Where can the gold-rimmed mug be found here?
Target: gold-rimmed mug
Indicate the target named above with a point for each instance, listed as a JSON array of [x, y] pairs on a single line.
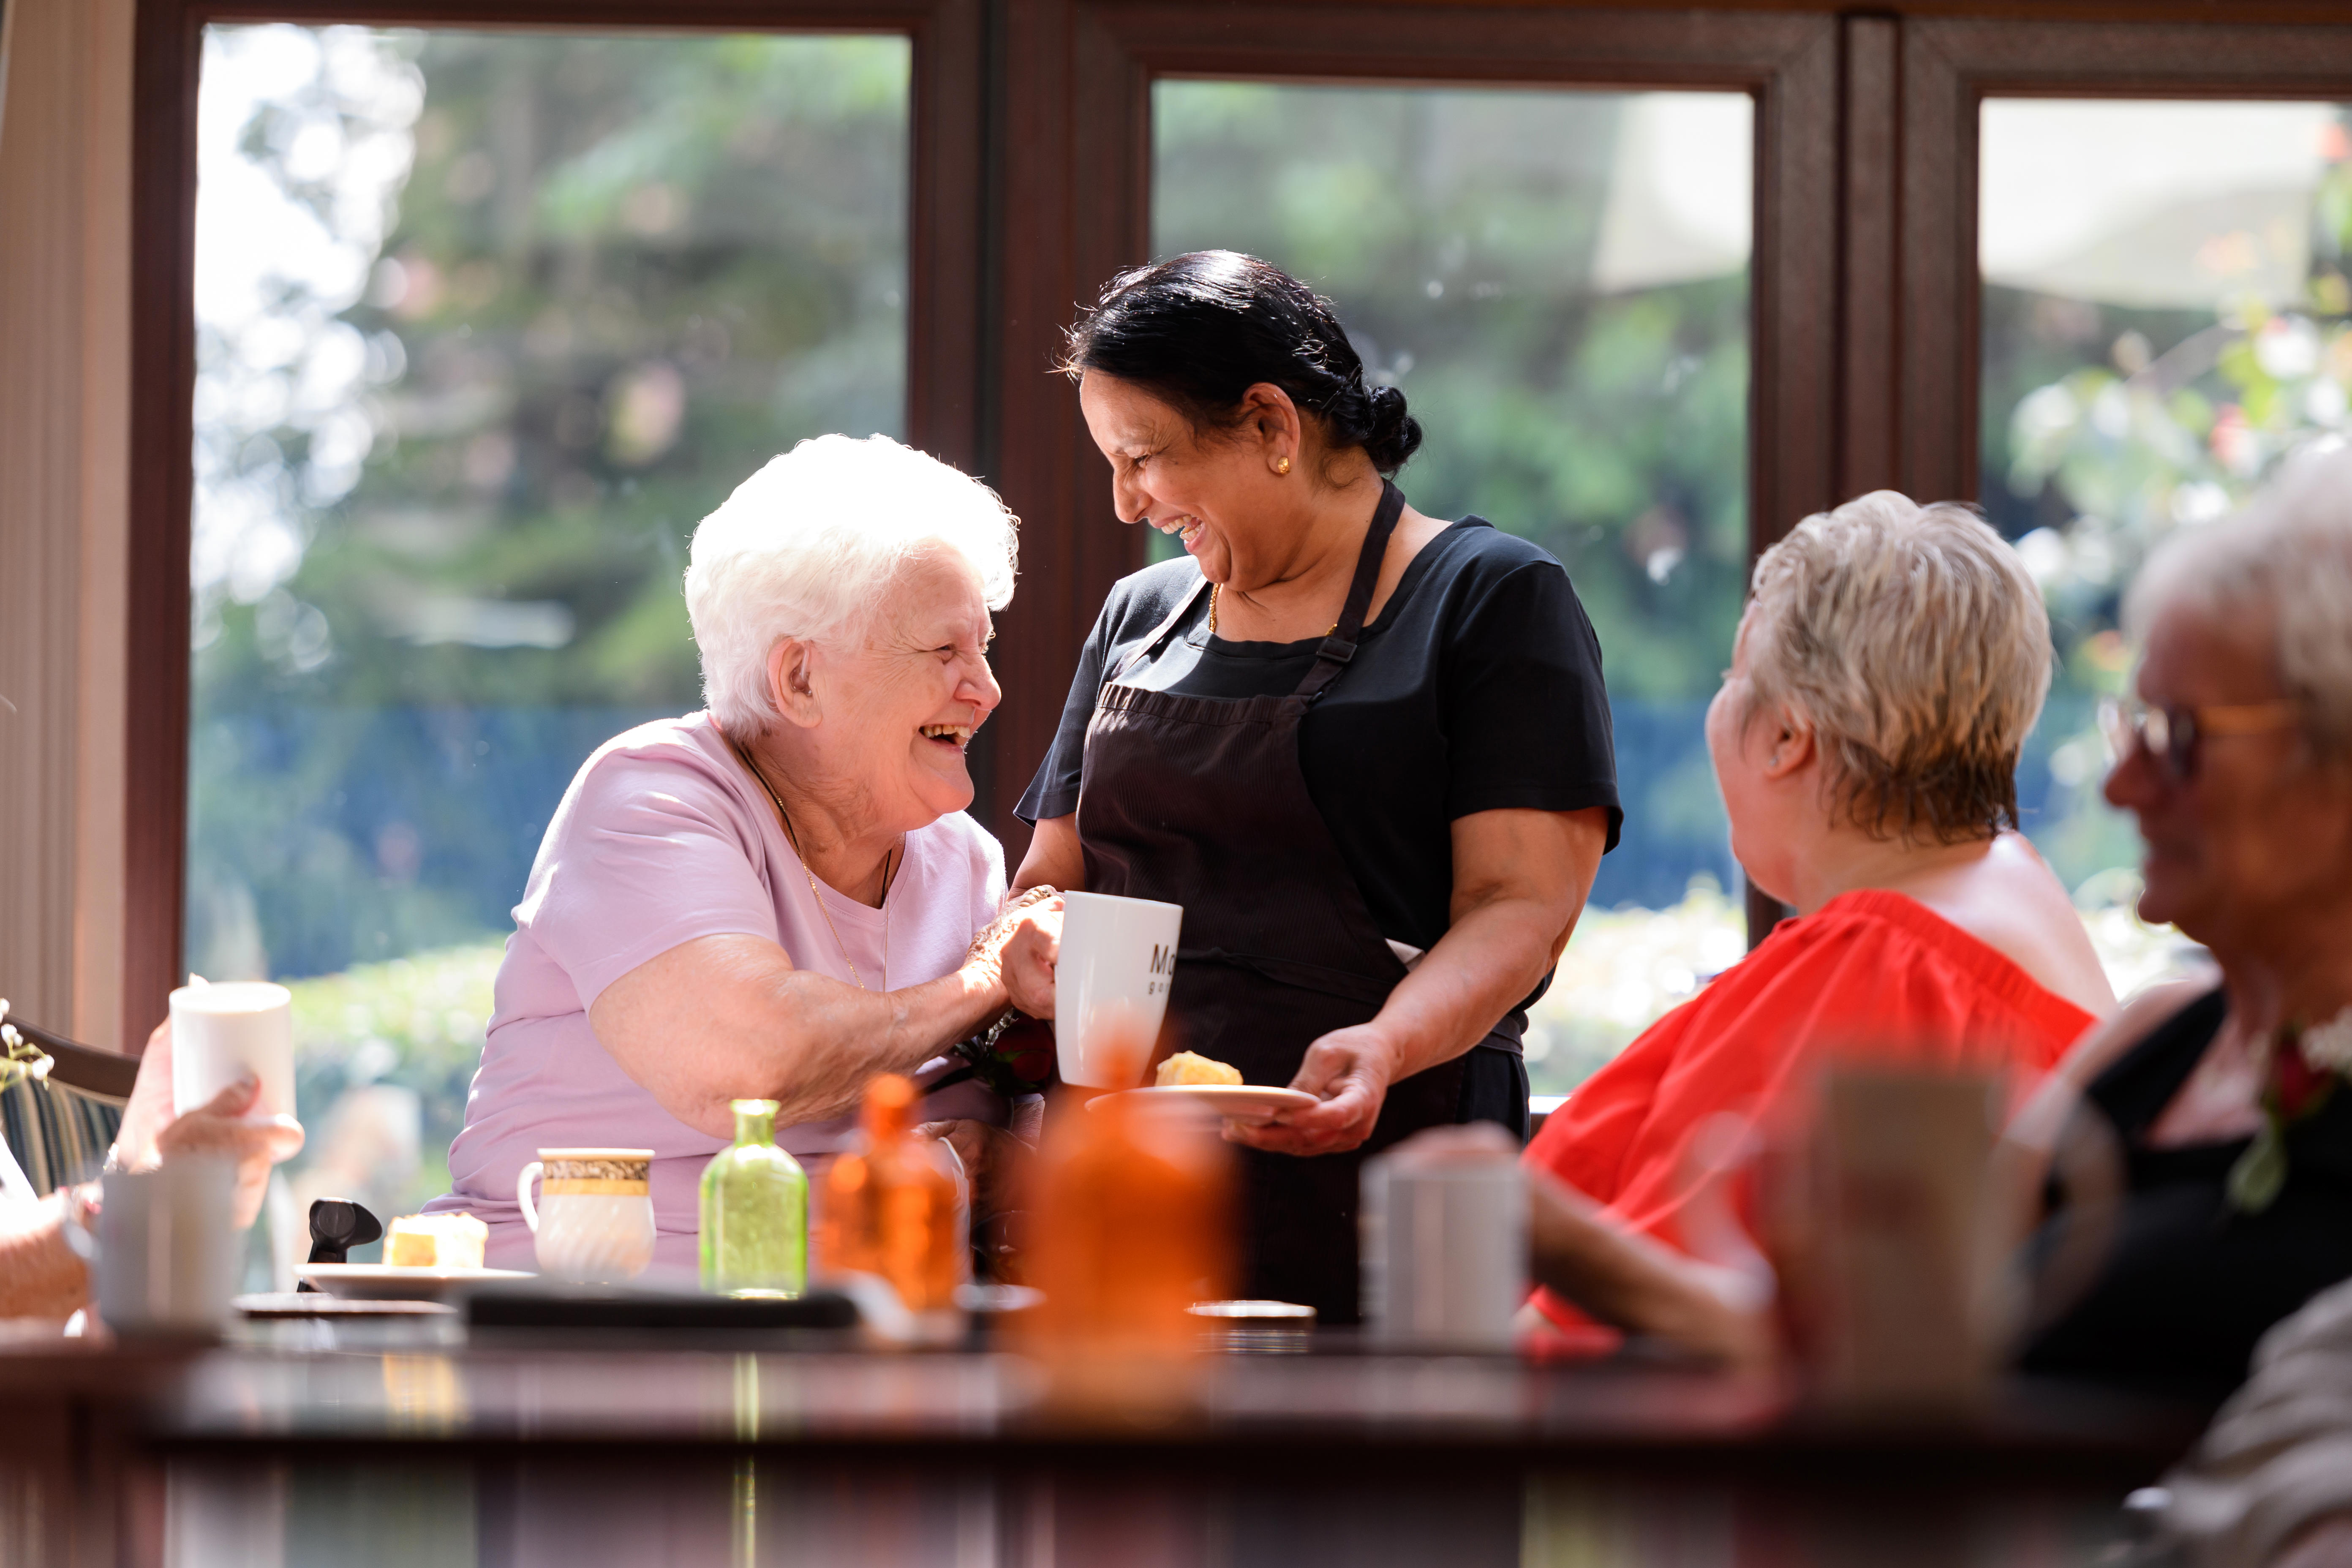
[[594, 1216]]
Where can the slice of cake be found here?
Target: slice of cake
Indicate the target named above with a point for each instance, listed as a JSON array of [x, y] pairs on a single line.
[[1186, 1067], [436, 1241]]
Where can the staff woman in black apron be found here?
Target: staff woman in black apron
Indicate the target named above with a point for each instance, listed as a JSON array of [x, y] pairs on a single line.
[[1368, 751]]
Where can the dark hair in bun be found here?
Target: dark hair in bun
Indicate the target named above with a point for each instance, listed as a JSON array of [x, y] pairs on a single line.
[[1200, 329]]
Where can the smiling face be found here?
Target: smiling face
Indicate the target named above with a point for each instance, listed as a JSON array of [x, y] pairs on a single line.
[[1215, 492], [2258, 835], [892, 717]]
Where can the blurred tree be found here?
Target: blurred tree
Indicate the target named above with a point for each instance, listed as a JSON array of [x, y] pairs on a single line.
[[2106, 429], [597, 282]]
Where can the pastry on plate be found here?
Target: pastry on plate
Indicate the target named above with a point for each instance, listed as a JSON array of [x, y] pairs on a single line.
[[436, 1241], [1186, 1067]]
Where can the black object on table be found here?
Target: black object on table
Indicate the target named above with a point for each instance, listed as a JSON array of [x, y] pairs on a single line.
[[545, 1304], [338, 1224]]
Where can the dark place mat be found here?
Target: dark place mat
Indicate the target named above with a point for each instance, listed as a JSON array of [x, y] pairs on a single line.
[[317, 1304], [549, 1306]]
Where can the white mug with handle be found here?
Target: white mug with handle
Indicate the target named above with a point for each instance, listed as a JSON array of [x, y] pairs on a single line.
[[1110, 985], [594, 1216]]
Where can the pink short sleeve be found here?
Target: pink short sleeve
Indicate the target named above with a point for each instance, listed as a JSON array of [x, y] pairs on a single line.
[[651, 848]]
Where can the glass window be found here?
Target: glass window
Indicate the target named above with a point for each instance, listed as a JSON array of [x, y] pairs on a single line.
[[487, 322], [1559, 281], [2166, 314]]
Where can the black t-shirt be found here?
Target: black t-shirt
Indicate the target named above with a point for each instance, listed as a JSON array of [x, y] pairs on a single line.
[[2190, 1284], [1477, 689]]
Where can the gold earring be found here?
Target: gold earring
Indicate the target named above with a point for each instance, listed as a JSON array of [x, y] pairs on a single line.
[[1283, 466]]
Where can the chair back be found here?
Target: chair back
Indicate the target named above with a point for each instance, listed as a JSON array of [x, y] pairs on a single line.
[[60, 1127]]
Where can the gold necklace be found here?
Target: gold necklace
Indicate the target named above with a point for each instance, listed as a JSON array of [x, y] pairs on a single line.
[[1214, 588], [795, 839]]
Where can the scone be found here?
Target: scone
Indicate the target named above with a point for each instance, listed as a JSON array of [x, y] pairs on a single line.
[[436, 1241], [1185, 1067]]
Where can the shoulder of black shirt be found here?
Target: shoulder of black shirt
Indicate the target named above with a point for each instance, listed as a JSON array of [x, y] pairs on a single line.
[[1140, 600]]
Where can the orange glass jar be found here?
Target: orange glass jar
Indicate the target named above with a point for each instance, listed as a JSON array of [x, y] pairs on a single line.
[[1131, 1221], [896, 1208]]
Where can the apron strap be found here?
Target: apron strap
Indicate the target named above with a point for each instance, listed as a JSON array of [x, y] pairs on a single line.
[[1340, 647], [1337, 647], [1151, 643]]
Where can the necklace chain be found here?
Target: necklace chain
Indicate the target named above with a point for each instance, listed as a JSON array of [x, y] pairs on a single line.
[[793, 839], [1216, 588]]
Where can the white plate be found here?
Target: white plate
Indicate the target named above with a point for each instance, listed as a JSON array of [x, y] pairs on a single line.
[[386, 1282], [1248, 1102]]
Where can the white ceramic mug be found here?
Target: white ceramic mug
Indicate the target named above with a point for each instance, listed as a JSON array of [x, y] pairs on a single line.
[[1444, 1250], [1110, 985], [168, 1248], [594, 1216], [218, 1031]]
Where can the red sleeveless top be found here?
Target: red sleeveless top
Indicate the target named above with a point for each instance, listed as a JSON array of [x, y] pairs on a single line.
[[1873, 973]]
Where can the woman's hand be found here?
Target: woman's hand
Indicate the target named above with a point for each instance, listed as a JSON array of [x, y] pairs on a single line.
[[223, 1127], [149, 1110], [1350, 1070], [1021, 948]]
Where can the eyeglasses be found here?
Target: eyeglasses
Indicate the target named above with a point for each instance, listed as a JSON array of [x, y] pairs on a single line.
[[2170, 734]]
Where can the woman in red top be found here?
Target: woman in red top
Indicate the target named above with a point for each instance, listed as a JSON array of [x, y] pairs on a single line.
[[1891, 660]]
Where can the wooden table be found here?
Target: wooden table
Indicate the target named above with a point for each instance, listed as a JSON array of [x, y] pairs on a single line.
[[355, 1444]]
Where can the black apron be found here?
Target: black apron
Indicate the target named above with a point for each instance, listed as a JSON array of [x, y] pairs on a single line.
[[1200, 801]]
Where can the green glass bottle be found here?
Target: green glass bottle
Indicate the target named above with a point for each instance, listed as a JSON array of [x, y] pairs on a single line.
[[754, 1211]]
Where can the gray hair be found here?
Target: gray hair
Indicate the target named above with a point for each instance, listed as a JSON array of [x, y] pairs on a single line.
[[2285, 559], [1915, 642], [808, 548]]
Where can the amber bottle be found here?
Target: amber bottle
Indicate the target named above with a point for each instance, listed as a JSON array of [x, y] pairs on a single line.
[[896, 1208], [1131, 1215]]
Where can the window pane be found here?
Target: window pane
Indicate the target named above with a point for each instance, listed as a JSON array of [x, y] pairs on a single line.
[[1559, 281], [2164, 316], [487, 322]]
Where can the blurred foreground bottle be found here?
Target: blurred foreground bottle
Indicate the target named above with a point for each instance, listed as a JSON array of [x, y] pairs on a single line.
[[755, 1203], [897, 1208], [1131, 1221]]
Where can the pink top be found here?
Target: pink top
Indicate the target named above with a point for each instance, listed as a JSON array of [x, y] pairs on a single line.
[[664, 838]]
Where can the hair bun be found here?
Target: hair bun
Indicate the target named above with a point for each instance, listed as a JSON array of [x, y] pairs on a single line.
[[1395, 435]]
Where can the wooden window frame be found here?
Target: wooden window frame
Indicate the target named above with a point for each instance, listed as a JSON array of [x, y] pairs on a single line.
[[1029, 186], [1949, 66], [945, 300]]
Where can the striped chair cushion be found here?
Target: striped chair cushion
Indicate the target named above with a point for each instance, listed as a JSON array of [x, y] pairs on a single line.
[[59, 1134]]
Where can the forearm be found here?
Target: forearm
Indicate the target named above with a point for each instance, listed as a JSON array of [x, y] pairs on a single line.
[[1055, 859], [725, 1018], [832, 1038], [1629, 1281], [40, 1275], [1488, 963]]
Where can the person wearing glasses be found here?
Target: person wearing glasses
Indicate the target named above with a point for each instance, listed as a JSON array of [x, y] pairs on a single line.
[[1891, 660], [2224, 1095]]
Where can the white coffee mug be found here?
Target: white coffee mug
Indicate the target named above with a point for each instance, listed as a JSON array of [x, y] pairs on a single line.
[[594, 1216], [219, 1031], [1110, 985], [168, 1248], [1444, 1250]]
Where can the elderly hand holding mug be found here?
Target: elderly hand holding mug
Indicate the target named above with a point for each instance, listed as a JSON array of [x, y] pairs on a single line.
[[780, 897]]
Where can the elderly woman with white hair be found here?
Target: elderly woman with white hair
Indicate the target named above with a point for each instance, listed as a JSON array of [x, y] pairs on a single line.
[[2225, 1094], [780, 897], [1891, 662]]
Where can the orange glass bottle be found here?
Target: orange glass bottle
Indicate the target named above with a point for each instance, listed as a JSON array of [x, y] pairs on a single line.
[[1131, 1223], [896, 1208]]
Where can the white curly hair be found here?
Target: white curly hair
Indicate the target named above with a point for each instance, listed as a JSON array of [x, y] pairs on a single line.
[[808, 547]]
